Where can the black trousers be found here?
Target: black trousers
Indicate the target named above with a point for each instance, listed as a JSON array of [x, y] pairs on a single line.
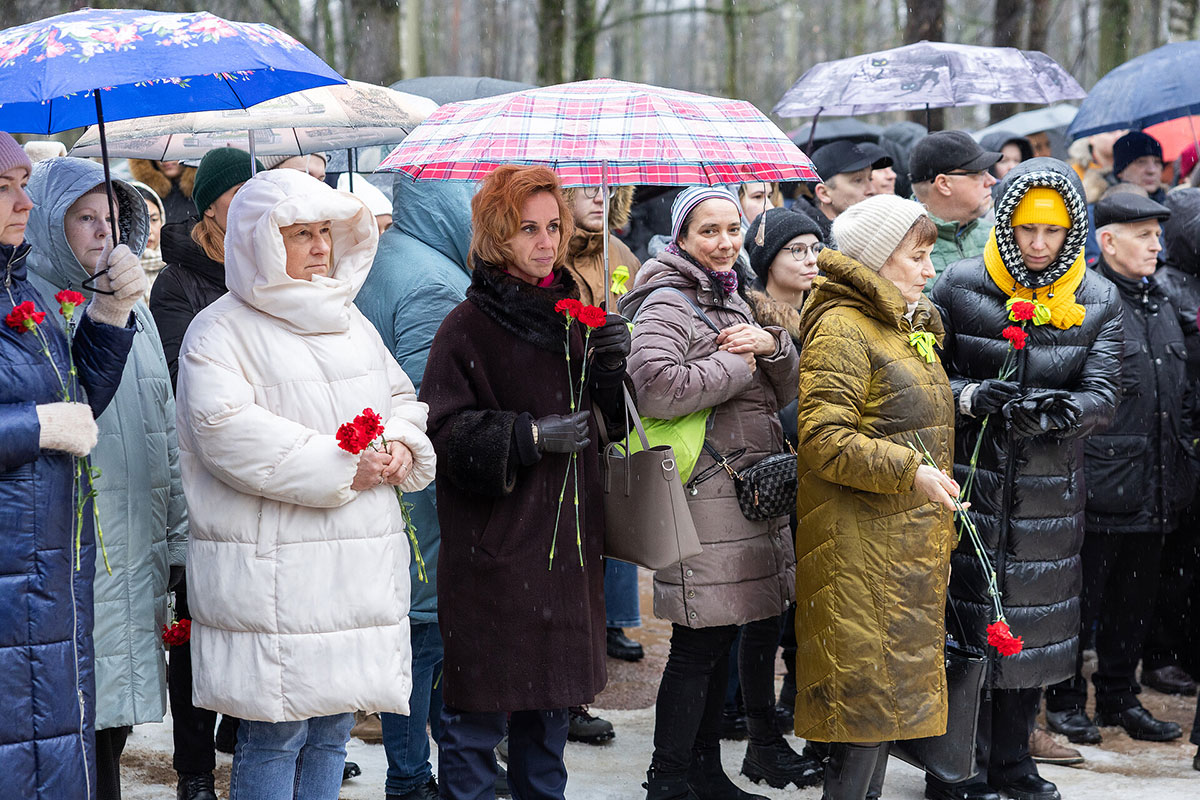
[[687, 715], [1172, 632], [110, 743], [1006, 721], [467, 767], [1120, 577], [193, 727]]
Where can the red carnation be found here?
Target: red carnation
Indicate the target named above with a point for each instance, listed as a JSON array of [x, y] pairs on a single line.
[[1022, 311], [370, 425], [24, 316], [177, 633], [1001, 638], [1016, 336], [592, 316], [568, 307], [68, 301], [350, 438]]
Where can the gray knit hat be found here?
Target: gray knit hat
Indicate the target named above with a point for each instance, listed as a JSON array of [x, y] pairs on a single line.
[[870, 231], [271, 162]]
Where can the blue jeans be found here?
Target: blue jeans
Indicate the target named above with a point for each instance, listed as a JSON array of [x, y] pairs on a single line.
[[467, 761], [404, 738], [621, 595], [290, 760]]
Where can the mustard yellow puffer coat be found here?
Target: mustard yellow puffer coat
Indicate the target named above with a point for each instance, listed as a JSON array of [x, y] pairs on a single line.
[[873, 553]]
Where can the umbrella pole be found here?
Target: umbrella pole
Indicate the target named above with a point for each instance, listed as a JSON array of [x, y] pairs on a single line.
[[1192, 125], [928, 124], [812, 132], [604, 230], [253, 162], [350, 165], [108, 187]]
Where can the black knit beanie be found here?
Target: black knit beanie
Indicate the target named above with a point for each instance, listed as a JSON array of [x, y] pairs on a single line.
[[782, 225]]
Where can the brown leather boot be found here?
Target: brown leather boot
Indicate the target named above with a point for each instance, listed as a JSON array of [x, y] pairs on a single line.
[[1045, 749]]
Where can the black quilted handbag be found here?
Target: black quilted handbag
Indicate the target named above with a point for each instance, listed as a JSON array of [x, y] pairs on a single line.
[[765, 489]]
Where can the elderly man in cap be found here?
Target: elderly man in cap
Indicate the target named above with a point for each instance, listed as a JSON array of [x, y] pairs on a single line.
[[1138, 159], [845, 168], [951, 177], [1139, 477]]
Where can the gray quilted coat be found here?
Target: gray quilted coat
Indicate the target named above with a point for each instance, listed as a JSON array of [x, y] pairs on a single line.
[[143, 515], [747, 569]]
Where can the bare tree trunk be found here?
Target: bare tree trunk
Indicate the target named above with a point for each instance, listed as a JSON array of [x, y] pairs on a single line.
[[637, 61], [1006, 32], [1114, 34], [1181, 19], [586, 33], [551, 24], [488, 30], [926, 20], [729, 13], [411, 51], [1039, 23], [371, 36]]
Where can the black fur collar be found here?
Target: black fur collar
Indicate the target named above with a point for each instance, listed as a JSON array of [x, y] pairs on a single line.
[[524, 310]]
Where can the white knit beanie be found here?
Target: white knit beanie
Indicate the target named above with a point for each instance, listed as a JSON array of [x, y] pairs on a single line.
[[870, 231]]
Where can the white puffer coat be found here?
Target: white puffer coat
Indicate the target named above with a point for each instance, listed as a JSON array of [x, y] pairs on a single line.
[[298, 585]]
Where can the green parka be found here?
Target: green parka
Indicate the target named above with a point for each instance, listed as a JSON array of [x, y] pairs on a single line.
[[873, 553]]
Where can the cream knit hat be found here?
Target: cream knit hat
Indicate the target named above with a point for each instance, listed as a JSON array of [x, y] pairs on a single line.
[[870, 231]]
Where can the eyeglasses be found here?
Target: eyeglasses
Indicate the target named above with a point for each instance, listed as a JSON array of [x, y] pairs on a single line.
[[966, 174], [592, 192], [800, 251]]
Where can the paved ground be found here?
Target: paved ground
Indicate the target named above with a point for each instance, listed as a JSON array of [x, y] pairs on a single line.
[[1119, 768]]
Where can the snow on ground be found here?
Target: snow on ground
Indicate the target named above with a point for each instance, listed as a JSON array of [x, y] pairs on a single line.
[[615, 771]]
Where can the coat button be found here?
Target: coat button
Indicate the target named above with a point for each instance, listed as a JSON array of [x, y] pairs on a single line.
[[691, 593], [687, 573], [692, 615], [1158, 361]]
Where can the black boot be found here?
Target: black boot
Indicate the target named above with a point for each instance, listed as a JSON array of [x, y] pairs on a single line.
[[875, 790], [849, 771], [708, 781], [666, 786], [196, 786], [769, 758]]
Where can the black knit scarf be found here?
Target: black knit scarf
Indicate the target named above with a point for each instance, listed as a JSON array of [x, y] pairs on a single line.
[[523, 309]]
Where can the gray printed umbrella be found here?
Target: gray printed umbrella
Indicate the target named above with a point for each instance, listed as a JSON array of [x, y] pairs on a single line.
[[927, 75]]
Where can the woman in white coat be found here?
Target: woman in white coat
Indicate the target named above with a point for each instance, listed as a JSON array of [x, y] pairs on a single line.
[[298, 559]]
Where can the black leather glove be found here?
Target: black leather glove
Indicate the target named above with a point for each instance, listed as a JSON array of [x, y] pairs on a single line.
[[559, 433], [1025, 418], [1065, 414], [176, 578], [991, 396], [611, 343]]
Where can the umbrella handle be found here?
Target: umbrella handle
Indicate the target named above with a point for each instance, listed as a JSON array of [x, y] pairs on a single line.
[[108, 187], [812, 132]]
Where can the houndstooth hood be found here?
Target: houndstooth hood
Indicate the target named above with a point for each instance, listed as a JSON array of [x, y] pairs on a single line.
[[1054, 174]]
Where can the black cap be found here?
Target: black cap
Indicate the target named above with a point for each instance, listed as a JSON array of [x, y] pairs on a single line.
[[948, 151], [1128, 207], [1133, 146], [838, 158], [879, 157]]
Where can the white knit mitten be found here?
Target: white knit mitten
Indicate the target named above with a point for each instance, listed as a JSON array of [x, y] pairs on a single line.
[[68, 427], [125, 278]]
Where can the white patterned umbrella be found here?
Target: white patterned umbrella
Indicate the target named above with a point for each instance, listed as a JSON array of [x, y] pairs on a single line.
[[355, 114]]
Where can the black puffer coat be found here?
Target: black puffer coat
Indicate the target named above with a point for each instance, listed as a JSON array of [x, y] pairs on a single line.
[[1028, 497], [1179, 273], [1140, 472]]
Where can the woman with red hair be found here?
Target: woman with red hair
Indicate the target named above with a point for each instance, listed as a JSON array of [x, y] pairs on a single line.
[[522, 642]]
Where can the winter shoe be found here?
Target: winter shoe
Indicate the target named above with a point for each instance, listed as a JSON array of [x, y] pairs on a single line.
[[666, 786], [621, 646], [1045, 749], [1073, 724], [850, 772], [196, 786], [350, 770], [960, 791], [769, 757], [586, 728], [1031, 787], [426, 791], [1170, 679], [733, 724], [1141, 724], [708, 781], [226, 738], [367, 728]]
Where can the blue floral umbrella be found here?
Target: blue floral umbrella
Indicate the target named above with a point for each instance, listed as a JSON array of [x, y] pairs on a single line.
[[80, 68]]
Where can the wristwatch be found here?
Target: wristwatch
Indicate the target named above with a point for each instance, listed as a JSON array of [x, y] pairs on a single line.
[[533, 428]]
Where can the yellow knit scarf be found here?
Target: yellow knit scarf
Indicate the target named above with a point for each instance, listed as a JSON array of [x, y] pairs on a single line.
[[1059, 296]]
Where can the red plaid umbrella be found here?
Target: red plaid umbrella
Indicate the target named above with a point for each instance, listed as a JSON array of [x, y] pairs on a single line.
[[637, 133], [601, 133]]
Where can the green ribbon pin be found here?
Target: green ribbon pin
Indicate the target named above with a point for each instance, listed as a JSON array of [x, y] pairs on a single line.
[[924, 341]]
